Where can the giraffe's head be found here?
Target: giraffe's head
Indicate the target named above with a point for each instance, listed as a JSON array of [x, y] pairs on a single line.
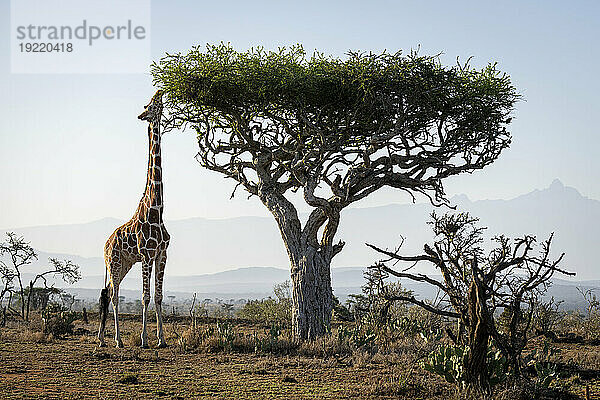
[[153, 110]]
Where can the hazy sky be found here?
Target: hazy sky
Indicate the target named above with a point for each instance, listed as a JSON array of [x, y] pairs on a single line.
[[72, 150]]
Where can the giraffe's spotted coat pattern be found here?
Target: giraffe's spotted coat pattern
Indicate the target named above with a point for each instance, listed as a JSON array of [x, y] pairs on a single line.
[[143, 238]]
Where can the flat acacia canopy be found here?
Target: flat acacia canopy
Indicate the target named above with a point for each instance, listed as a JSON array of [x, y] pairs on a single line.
[[372, 119]]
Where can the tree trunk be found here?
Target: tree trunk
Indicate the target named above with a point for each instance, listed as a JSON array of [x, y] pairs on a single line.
[[312, 296], [29, 300], [479, 335], [22, 304]]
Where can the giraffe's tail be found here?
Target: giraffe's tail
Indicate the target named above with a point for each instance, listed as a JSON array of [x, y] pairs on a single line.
[[104, 300]]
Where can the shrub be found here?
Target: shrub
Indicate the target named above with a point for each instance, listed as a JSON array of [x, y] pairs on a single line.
[[546, 315], [58, 324], [134, 339], [360, 337], [277, 309], [449, 362], [545, 370]]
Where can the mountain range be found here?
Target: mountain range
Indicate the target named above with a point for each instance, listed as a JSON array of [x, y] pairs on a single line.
[[201, 247]]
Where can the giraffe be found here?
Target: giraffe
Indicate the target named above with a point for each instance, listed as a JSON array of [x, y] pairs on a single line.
[[143, 238]]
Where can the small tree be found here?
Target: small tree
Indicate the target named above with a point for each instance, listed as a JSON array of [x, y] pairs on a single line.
[[592, 313], [7, 275], [372, 305], [40, 296], [339, 129], [20, 254], [476, 285], [65, 269]]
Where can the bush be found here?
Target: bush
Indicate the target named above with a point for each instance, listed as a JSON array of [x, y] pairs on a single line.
[[449, 363], [546, 315], [134, 339], [276, 309], [58, 324], [545, 370]]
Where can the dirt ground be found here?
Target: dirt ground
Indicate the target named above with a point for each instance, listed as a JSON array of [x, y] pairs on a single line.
[[76, 368]]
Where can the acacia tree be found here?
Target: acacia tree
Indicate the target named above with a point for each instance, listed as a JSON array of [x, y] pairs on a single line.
[[65, 269], [476, 285], [19, 254], [338, 129]]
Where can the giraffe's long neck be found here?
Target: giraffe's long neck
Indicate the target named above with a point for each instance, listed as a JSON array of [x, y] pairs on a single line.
[[153, 195]]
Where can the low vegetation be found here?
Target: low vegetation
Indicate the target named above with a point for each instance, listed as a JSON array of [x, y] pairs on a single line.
[[382, 343]]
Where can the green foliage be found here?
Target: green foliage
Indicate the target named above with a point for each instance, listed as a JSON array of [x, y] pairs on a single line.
[[540, 359], [504, 319], [591, 319], [271, 343], [341, 312], [40, 296], [269, 310], [361, 338], [373, 306], [225, 334], [379, 321], [219, 78], [449, 362]]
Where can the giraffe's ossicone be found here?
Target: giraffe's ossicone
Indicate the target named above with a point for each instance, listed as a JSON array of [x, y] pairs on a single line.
[[143, 238]]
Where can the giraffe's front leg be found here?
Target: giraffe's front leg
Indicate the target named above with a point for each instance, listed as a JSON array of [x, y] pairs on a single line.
[[115, 301], [161, 261], [146, 272]]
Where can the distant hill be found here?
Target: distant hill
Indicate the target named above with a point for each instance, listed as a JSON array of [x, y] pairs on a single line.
[[202, 245], [258, 282]]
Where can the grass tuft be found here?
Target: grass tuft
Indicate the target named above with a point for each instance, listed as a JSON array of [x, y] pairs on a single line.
[[129, 379]]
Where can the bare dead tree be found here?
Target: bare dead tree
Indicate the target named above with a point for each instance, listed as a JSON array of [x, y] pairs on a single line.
[[192, 312], [278, 122], [477, 284], [592, 315]]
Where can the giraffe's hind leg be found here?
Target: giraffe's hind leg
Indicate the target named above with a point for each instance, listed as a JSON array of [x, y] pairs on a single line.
[[146, 272], [161, 261]]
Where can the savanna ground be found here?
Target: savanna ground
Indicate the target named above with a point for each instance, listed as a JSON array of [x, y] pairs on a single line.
[[37, 366]]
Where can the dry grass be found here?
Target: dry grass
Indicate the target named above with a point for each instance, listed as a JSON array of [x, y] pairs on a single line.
[[209, 366], [133, 339], [29, 335], [325, 347]]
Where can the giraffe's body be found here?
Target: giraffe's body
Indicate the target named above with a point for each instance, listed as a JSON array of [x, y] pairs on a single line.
[[143, 239]]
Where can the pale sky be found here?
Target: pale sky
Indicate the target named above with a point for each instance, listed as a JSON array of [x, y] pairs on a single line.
[[72, 150]]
